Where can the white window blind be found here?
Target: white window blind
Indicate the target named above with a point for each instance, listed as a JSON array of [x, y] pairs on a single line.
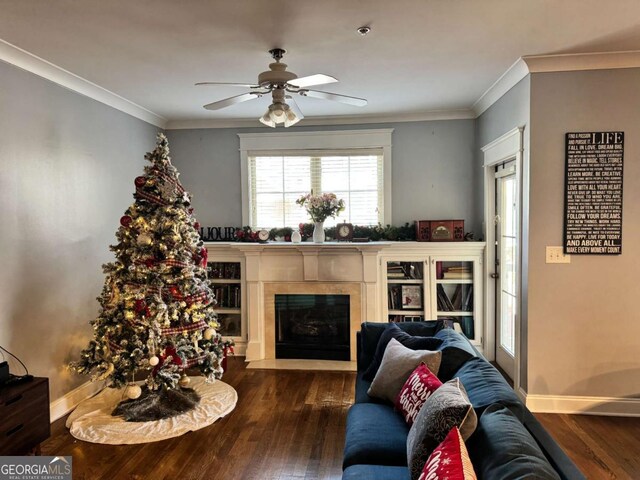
[[277, 180]]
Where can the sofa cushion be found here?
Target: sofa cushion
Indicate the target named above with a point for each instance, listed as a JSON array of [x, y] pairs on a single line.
[[452, 359], [376, 435], [501, 447], [362, 387], [409, 341], [375, 472], [449, 460], [397, 364], [370, 333], [485, 386], [448, 407], [415, 391], [451, 338]]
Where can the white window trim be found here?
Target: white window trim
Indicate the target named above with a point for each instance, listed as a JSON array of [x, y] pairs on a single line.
[[325, 140]]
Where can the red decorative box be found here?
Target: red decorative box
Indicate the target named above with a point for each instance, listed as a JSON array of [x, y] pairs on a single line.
[[440, 230]]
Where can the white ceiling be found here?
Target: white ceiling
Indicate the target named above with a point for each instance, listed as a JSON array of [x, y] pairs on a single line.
[[421, 55]]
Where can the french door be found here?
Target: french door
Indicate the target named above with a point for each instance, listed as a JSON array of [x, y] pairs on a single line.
[[506, 265]]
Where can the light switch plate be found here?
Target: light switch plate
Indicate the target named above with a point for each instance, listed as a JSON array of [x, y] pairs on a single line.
[[556, 255]]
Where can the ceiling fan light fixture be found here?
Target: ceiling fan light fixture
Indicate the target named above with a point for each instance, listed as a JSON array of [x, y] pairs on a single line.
[[279, 113], [266, 119], [291, 118]]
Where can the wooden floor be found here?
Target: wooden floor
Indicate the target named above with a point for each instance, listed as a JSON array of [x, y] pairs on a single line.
[[290, 425]]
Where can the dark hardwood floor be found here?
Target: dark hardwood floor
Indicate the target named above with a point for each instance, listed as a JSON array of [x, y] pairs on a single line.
[[290, 425]]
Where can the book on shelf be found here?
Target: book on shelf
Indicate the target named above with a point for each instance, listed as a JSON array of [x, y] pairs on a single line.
[[457, 275], [443, 300], [395, 275], [467, 305], [224, 270], [405, 318], [407, 270], [411, 296], [456, 298], [227, 296]]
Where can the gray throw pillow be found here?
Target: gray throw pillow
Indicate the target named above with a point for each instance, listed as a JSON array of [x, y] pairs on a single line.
[[398, 362], [447, 407]]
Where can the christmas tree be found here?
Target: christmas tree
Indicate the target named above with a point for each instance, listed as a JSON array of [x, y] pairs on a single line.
[[156, 310]]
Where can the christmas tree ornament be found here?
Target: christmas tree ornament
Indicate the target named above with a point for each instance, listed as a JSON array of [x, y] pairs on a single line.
[[156, 298], [209, 333], [168, 190], [184, 381], [144, 240], [132, 391]]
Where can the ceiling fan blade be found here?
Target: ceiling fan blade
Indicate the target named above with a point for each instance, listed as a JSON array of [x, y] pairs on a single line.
[[358, 102], [245, 85], [294, 106], [232, 100], [311, 80]]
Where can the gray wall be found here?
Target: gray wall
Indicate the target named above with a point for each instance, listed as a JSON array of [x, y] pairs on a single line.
[[583, 317], [67, 165], [510, 111], [433, 175]]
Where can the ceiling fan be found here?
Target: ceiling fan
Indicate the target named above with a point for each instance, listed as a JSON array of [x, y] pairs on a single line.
[[282, 85]]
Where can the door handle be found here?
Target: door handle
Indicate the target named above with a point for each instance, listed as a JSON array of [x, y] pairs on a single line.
[[494, 275]]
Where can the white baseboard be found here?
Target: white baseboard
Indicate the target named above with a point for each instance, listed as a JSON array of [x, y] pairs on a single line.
[[612, 406], [63, 405]]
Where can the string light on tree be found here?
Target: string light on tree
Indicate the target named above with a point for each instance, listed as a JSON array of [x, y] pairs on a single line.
[[156, 310]]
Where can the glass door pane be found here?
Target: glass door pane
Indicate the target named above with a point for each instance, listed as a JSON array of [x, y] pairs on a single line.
[[508, 263]]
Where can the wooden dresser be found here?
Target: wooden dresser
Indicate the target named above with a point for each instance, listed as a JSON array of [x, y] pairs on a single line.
[[24, 417]]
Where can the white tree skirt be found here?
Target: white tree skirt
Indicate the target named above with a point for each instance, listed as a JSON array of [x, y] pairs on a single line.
[[92, 422]]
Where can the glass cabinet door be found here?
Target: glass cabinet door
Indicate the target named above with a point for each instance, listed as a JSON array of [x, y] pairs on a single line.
[[405, 291], [226, 284], [454, 297]]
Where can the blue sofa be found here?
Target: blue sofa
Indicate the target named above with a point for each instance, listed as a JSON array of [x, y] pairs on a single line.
[[376, 434]]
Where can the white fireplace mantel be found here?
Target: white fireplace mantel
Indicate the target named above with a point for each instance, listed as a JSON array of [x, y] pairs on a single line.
[[356, 269]]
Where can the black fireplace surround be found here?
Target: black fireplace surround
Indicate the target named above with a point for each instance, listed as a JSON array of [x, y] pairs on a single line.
[[312, 326]]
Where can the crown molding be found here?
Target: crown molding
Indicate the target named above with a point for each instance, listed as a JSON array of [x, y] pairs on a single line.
[[569, 62], [31, 63], [502, 85], [572, 62], [458, 114]]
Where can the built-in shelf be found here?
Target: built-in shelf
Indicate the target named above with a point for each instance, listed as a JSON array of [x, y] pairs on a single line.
[[225, 280], [228, 310], [406, 311], [450, 281], [405, 281], [454, 314]]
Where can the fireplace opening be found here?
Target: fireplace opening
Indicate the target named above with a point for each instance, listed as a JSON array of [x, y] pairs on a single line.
[[312, 326]]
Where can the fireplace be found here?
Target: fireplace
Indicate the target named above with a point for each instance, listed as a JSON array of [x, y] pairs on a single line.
[[312, 326]]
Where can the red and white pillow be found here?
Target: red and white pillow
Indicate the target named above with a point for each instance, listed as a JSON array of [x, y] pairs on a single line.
[[450, 460], [418, 387]]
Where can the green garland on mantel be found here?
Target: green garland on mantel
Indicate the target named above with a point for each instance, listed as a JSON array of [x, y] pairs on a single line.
[[375, 233]]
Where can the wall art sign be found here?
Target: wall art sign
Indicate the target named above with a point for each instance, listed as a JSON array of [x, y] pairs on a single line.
[[218, 234], [593, 193]]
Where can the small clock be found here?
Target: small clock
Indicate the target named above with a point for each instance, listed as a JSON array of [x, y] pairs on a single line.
[[344, 232], [263, 235]]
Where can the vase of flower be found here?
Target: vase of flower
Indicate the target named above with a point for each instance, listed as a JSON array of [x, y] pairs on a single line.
[[318, 232], [319, 208]]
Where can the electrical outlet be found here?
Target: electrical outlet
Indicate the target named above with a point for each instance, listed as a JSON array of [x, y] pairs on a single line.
[[556, 255]]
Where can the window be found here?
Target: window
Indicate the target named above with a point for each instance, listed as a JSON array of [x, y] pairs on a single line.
[[277, 181], [278, 168]]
